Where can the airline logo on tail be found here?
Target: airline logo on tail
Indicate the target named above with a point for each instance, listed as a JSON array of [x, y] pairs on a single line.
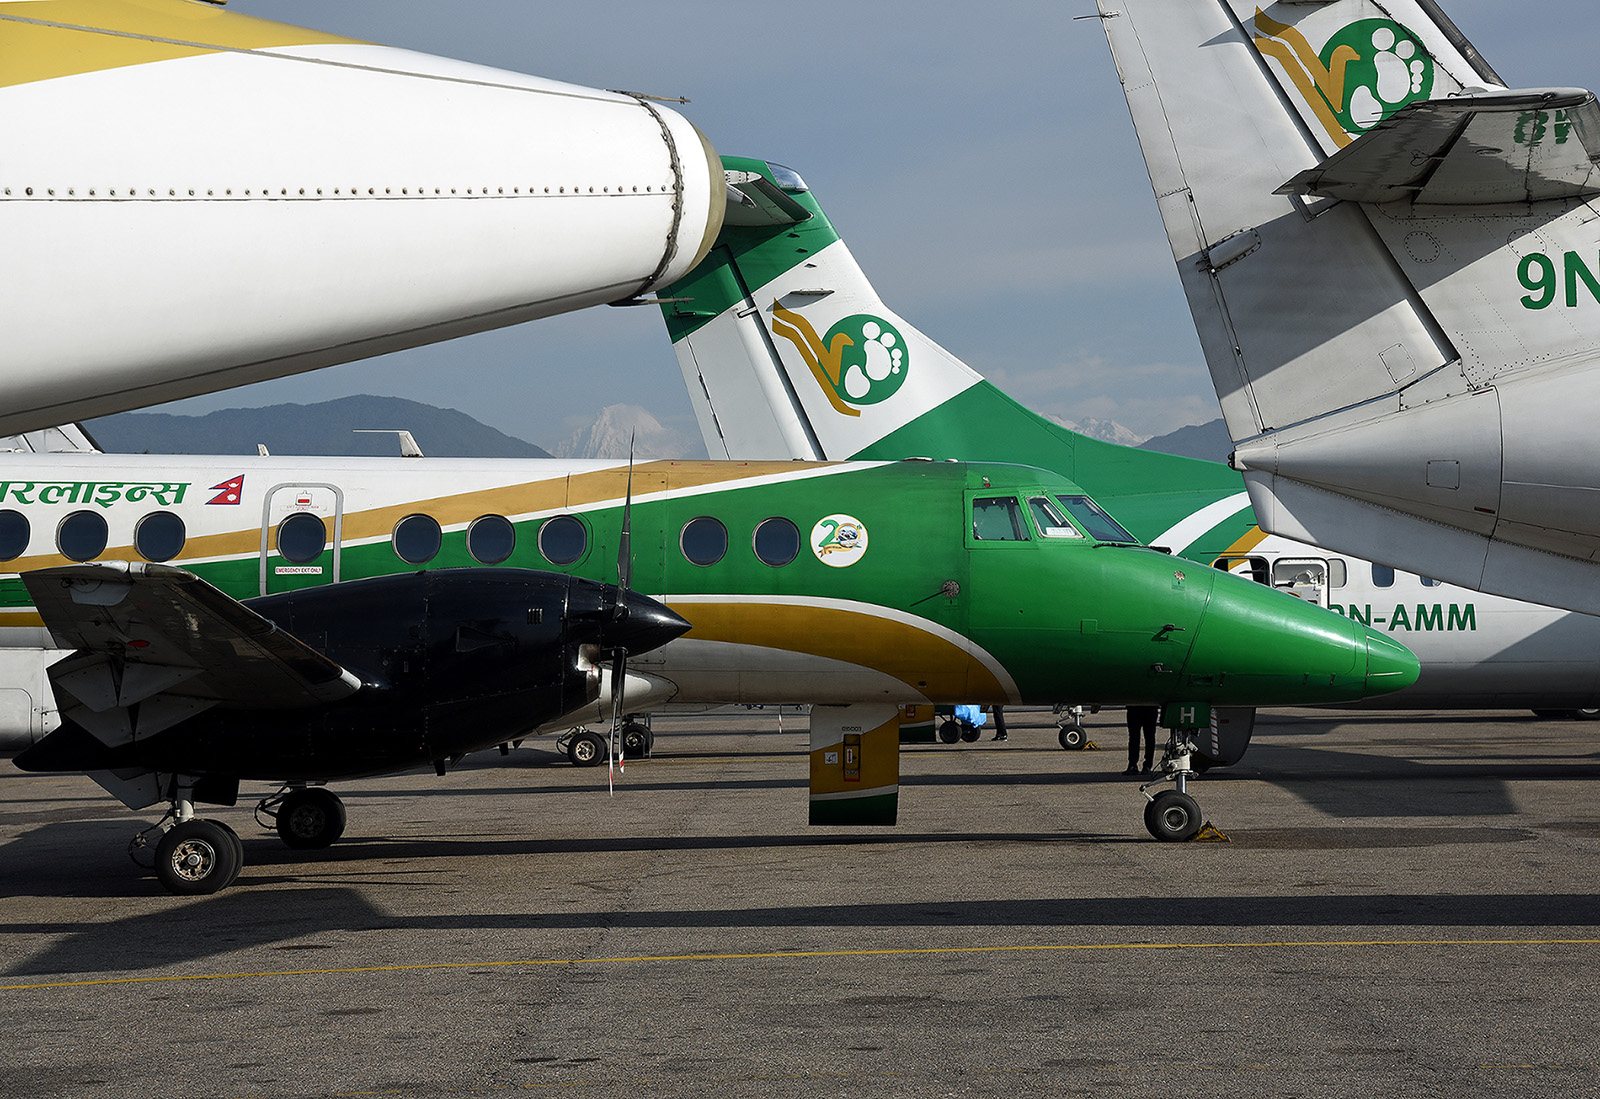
[[1364, 73], [861, 361]]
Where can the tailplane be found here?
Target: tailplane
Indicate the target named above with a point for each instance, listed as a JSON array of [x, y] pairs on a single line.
[[1388, 258]]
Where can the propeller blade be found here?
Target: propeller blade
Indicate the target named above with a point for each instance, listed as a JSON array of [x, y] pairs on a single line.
[[624, 554], [619, 671]]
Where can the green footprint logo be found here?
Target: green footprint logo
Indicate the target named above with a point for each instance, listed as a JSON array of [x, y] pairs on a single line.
[[862, 360], [1391, 69]]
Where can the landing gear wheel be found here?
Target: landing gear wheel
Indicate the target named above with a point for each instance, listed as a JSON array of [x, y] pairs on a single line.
[[1589, 714], [1072, 737], [310, 817], [1173, 817], [636, 740], [587, 749], [970, 733], [197, 857], [238, 851], [950, 732]]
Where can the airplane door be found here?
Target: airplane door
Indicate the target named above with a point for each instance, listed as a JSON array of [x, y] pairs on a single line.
[[301, 528], [1302, 577], [1000, 546]]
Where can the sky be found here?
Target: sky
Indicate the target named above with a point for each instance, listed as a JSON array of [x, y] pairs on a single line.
[[978, 160]]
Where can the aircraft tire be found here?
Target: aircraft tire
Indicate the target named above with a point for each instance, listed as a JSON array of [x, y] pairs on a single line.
[[950, 731], [1072, 737], [636, 740], [970, 733], [1173, 817], [309, 818], [238, 851], [587, 749], [196, 858], [1590, 714]]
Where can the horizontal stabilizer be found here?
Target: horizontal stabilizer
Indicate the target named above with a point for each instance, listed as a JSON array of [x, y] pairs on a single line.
[[1480, 149], [756, 201], [156, 644]]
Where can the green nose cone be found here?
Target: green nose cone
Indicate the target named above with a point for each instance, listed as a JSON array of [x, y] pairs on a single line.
[[1390, 665]]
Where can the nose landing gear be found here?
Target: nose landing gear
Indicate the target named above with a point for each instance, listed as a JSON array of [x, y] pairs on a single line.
[[1173, 816]]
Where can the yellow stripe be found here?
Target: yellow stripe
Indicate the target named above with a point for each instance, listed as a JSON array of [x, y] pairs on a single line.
[[1248, 541], [929, 664], [44, 40], [565, 492], [1037, 948]]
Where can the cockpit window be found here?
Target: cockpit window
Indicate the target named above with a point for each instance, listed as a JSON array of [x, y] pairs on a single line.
[[1052, 524], [998, 519], [1101, 527]]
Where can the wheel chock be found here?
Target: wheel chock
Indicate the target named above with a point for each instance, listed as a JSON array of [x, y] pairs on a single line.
[[1209, 833]]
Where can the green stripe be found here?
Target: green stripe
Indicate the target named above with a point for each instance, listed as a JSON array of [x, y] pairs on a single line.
[[1145, 490], [867, 809]]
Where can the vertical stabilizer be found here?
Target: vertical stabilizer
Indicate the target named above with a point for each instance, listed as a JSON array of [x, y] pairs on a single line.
[[789, 352], [1371, 232]]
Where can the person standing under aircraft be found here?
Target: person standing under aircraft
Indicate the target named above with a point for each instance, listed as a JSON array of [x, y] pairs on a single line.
[[1141, 719]]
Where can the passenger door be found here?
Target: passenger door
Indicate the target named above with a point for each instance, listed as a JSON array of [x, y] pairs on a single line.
[[302, 524]]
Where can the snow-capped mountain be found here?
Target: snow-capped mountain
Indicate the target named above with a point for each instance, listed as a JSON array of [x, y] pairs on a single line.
[[608, 437]]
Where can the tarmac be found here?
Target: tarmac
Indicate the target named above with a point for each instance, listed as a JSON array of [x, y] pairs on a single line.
[[1405, 905]]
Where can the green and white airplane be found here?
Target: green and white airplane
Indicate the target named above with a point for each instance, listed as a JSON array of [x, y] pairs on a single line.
[[1391, 258], [856, 587], [788, 351]]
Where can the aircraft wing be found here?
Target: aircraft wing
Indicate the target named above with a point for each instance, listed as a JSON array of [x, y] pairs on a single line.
[[156, 644], [1494, 147]]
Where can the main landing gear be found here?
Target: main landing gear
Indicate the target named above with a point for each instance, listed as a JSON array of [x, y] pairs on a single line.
[[197, 857], [307, 817], [194, 857], [1172, 815], [587, 748]]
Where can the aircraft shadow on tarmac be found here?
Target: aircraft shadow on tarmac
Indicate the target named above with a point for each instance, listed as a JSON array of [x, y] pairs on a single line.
[[188, 932]]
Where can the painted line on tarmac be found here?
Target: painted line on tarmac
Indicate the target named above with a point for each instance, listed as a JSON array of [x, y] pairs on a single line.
[[531, 963]]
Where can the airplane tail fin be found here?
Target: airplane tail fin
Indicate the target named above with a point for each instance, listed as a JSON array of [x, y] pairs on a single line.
[[1339, 181], [786, 349], [789, 352]]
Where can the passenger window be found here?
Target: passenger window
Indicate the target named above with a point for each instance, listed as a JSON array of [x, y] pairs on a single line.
[[1052, 524], [704, 541], [1382, 576], [777, 541], [1338, 574], [490, 539], [14, 534], [998, 519], [159, 536], [1092, 518], [1430, 582], [417, 539], [302, 538], [563, 539], [82, 536]]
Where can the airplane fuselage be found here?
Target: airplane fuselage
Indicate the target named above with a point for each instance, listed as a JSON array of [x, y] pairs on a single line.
[[193, 199], [818, 583]]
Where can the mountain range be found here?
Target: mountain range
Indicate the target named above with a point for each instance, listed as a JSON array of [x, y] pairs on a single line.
[[332, 428], [329, 427]]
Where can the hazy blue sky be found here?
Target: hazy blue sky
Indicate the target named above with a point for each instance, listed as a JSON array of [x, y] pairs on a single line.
[[978, 159]]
